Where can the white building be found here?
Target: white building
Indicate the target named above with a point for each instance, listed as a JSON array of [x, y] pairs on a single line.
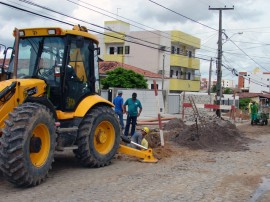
[[226, 83], [168, 53], [259, 81]]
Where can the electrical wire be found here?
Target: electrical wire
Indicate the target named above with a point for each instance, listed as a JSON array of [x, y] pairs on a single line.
[[9, 5], [248, 56], [168, 36], [34, 4], [183, 15], [46, 8]]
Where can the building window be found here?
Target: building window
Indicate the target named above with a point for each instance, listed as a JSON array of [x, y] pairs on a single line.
[[126, 49], [111, 50], [171, 73], [120, 50], [178, 51], [152, 86], [173, 49], [189, 75]]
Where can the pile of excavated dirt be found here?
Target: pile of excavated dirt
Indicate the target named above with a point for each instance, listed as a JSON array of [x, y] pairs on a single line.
[[174, 123], [214, 135], [163, 152], [153, 139]]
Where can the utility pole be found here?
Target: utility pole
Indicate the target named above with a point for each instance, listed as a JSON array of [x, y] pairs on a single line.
[[210, 74], [163, 71], [219, 70]]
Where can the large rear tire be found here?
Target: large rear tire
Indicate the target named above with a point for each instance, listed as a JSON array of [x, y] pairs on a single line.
[[28, 144], [98, 137]]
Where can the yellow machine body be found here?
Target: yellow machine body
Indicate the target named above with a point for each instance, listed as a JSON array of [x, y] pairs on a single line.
[[145, 156], [49, 102], [21, 92]]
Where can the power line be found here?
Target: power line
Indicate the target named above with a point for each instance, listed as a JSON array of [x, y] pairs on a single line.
[[235, 73], [115, 17], [155, 33], [46, 8], [88, 29], [248, 42], [183, 15], [248, 55], [34, 4]]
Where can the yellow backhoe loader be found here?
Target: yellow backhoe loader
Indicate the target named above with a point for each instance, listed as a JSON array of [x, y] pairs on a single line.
[[49, 102]]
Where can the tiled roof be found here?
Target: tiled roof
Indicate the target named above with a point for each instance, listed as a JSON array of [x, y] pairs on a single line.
[[109, 66], [252, 95]]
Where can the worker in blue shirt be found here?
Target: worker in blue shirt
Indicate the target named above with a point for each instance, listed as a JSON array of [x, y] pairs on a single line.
[[132, 113], [118, 102]]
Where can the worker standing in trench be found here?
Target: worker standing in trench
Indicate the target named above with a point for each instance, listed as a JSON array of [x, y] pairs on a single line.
[[139, 137]]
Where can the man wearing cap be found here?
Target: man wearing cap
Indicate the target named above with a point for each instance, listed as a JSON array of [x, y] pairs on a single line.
[[118, 102], [139, 138], [132, 113]]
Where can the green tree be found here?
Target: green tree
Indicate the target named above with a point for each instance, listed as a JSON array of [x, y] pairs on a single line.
[[228, 91], [123, 78], [243, 103], [214, 89]]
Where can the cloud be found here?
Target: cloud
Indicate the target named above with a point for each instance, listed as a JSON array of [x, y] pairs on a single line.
[[246, 16]]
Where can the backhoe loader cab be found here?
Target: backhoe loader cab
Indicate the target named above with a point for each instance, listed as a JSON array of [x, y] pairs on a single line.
[[49, 102]]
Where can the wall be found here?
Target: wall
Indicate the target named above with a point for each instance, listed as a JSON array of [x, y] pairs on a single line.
[[147, 98]]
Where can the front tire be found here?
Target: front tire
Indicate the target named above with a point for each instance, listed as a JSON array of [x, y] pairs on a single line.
[[27, 144], [98, 137]]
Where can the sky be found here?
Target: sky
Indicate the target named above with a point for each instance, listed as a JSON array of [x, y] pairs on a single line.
[[246, 26]]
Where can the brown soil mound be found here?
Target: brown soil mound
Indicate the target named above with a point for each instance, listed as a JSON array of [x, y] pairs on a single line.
[[214, 135], [218, 135], [173, 124], [162, 152], [153, 139]]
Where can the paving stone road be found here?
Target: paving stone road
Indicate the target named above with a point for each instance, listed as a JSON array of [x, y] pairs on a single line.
[[188, 175]]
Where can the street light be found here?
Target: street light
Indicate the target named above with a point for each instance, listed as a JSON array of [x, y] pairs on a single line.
[[229, 38]]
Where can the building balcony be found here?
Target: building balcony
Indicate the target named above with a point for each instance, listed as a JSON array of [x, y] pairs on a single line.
[[181, 37], [184, 85], [114, 37], [184, 61], [115, 58]]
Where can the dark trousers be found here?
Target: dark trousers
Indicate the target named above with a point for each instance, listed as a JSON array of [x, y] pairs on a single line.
[[133, 121]]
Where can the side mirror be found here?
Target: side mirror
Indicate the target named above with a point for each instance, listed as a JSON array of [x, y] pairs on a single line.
[[98, 50]]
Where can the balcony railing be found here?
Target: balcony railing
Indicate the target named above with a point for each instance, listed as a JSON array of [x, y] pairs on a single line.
[[184, 85], [184, 61], [116, 58]]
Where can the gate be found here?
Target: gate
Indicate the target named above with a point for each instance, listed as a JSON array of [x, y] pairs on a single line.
[[173, 104]]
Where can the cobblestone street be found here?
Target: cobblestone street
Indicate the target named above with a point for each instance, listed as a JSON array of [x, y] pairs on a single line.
[[188, 175]]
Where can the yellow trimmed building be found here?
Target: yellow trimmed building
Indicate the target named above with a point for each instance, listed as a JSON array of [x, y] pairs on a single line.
[[171, 53]]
